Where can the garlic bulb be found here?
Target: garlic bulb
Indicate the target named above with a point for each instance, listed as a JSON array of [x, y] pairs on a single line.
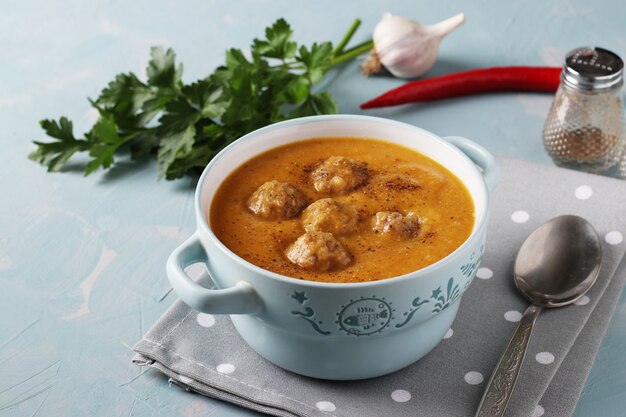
[[406, 48]]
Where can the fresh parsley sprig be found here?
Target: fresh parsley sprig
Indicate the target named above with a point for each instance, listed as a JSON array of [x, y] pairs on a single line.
[[195, 121]]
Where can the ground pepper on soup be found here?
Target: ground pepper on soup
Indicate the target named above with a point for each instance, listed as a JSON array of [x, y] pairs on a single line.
[[342, 210]]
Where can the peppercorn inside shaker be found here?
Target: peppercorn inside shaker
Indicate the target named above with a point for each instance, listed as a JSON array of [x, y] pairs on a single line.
[[584, 129]]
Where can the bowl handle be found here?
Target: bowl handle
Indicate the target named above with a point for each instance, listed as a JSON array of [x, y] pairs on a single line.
[[238, 299], [480, 156]]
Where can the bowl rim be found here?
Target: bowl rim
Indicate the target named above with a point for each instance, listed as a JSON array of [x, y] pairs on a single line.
[[203, 225]]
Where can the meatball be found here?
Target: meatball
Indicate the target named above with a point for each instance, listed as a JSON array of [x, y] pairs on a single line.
[[328, 215], [318, 251], [339, 175], [395, 223], [276, 200]]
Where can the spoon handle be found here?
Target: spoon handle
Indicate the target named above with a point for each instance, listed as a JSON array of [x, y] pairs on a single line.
[[502, 381]]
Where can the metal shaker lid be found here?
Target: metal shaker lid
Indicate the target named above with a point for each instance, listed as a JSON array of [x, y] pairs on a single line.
[[593, 69]]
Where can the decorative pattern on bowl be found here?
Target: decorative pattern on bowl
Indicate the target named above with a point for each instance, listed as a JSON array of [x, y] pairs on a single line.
[[366, 316]]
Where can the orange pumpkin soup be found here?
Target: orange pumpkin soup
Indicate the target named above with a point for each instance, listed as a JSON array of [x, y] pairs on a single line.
[[342, 210]]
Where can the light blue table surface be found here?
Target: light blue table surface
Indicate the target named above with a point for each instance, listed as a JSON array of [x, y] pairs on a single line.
[[82, 259]]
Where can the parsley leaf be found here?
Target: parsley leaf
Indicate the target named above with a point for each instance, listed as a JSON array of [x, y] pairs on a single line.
[[278, 43], [186, 125], [55, 154], [162, 70], [106, 141], [175, 145], [316, 60]]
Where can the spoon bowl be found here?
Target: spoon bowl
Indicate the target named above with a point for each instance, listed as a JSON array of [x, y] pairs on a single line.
[[558, 262], [555, 266]]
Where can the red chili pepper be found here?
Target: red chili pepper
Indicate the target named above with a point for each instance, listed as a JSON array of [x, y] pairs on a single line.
[[485, 80]]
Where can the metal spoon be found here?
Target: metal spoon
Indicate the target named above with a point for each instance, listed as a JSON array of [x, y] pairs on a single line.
[[555, 266]]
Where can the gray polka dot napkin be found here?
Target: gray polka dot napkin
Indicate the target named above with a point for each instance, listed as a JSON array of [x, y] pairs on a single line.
[[204, 354]]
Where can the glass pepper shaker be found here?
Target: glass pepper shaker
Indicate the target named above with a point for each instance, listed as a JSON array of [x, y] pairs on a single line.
[[584, 128], [622, 164]]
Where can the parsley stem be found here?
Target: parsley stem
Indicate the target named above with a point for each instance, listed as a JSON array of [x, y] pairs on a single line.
[[353, 52], [346, 38], [134, 135]]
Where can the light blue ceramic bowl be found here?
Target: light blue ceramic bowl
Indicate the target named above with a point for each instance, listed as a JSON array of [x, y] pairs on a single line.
[[314, 328]]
